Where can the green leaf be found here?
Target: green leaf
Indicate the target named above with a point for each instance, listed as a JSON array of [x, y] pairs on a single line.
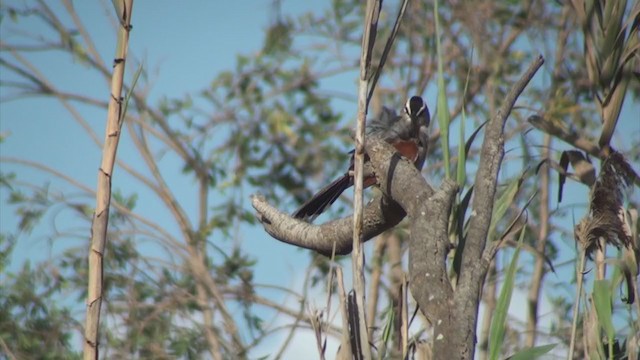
[[603, 305], [442, 108], [502, 204], [461, 176], [387, 332], [496, 334], [136, 76], [532, 352]]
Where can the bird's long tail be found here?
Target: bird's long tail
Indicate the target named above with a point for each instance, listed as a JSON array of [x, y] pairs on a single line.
[[319, 202]]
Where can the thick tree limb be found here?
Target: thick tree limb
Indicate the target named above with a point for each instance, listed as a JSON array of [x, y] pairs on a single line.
[[429, 212], [379, 215], [452, 312], [491, 157], [474, 269]]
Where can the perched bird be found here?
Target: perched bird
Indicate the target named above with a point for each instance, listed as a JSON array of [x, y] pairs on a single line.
[[407, 132]]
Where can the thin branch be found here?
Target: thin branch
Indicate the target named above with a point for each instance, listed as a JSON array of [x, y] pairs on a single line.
[[79, 26], [387, 48], [357, 256]]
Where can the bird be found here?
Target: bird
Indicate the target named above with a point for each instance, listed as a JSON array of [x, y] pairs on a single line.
[[407, 132]]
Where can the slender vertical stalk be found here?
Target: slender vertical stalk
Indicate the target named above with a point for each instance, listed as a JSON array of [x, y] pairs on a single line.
[[537, 277], [374, 285], [368, 39], [103, 192], [576, 306], [404, 317], [396, 276], [600, 258], [346, 352]]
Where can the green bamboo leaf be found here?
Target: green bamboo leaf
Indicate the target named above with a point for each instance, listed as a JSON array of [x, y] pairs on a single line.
[[612, 20], [532, 353], [461, 173], [442, 108], [387, 332], [496, 333], [136, 76], [467, 146], [461, 176], [502, 204], [602, 302]]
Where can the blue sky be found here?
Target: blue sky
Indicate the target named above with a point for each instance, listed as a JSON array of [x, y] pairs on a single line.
[[183, 47]]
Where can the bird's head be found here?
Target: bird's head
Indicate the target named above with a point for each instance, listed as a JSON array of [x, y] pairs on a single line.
[[417, 111]]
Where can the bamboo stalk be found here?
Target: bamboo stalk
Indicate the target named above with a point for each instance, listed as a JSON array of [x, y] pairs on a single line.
[[103, 193], [576, 306], [357, 256]]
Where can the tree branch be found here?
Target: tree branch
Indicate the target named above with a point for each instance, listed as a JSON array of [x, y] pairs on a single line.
[[380, 215], [486, 178]]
